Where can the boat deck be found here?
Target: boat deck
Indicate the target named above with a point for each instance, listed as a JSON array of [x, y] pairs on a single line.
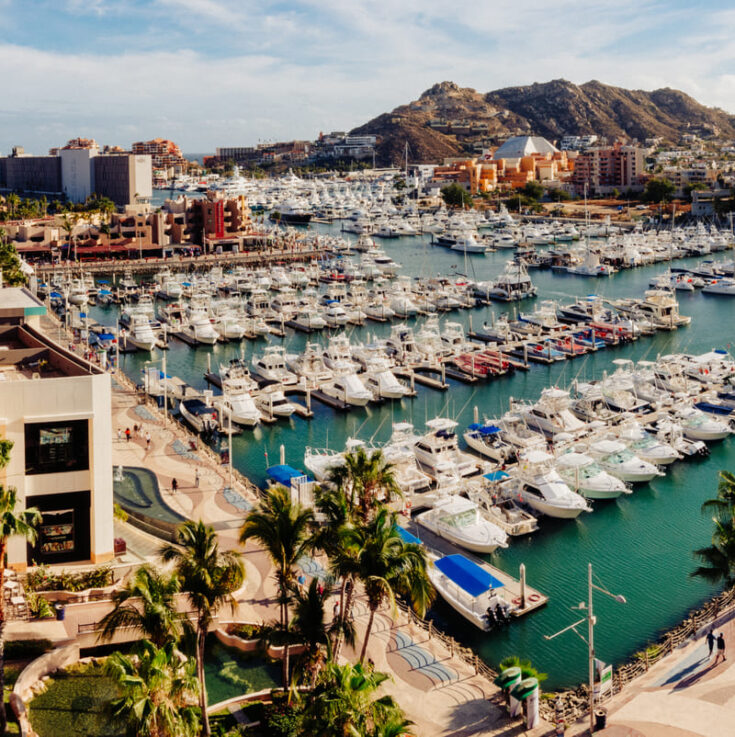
[[511, 586]]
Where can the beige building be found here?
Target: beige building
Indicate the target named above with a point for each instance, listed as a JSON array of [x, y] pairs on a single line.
[[56, 408]]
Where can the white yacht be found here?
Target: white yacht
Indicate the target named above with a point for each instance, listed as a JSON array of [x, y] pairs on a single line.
[[310, 365], [698, 425], [272, 366], [438, 450], [552, 415], [615, 458], [645, 444], [140, 334], [237, 404], [383, 384], [512, 284], [458, 520], [348, 388], [199, 415], [338, 354], [335, 315], [398, 451], [229, 327], [584, 475], [543, 489], [308, 319], [488, 441], [273, 403], [199, 329], [723, 285]]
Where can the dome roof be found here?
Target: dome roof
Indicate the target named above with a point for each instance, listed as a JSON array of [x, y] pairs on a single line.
[[520, 146]]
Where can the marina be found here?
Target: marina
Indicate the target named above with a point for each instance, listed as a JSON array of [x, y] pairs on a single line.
[[628, 519]]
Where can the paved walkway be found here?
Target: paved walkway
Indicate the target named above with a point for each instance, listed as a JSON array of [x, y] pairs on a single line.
[[438, 692], [686, 694]]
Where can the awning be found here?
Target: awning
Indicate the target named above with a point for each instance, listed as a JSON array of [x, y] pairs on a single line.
[[484, 429], [407, 537], [496, 476], [467, 575], [283, 474]]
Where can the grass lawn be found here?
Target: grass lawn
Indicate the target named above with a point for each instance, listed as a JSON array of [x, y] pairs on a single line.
[[74, 704]]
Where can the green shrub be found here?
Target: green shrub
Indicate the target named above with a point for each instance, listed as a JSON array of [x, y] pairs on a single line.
[[26, 649], [282, 721], [39, 607], [246, 631], [41, 579]]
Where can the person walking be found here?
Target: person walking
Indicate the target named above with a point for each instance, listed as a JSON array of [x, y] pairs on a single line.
[[174, 486], [119, 433], [711, 642], [196, 478], [147, 440], [720, 648], [127, 434]]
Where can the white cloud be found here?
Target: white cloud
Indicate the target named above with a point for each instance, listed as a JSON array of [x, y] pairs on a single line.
[[273, 71]]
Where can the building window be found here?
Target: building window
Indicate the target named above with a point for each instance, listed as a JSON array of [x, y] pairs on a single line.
[[64, 533], [56, 447]]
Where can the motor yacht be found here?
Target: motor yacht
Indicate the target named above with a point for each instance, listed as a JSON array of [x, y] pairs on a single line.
[[236, 404], [698, 425], [273, 403], [308, 319], [542, 488], [438, 449], [646, 445], [584, 475], [310, 365], [199, 329], [349, 389], [458, 520], [615, 458], [502, 511], [201, 416], [272, 366], [488, 441], [338, 355], [552, 415]]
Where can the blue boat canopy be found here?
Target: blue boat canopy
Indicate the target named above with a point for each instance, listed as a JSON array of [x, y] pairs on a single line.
[[467, 575], [407, 537], [496, 476], [106, 336], [282, 474], [56, 295]]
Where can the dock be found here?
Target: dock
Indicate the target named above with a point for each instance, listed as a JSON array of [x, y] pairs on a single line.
[[512, 586]]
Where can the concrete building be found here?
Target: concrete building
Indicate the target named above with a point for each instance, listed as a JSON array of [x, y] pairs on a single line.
[[56, 410], [167, 161], [76, 172], [604, 169]]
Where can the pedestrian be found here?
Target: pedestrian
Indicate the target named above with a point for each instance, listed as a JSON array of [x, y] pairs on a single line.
[[196, 478], [335, 609], [720, 648], [147, 440], [301, 579], [711, 642], [174, 486], [127, 434], [320, 588], [135, 431], [119, 433]]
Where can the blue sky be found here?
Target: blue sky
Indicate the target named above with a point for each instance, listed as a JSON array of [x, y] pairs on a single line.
[[209, 73]]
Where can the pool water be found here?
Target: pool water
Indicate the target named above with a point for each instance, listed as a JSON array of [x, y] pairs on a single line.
[[230, 672]]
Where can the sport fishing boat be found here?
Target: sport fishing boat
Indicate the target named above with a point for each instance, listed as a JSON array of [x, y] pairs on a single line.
[[458, 520], [438, 450], [348, 388], [199, 415], [272, 366]]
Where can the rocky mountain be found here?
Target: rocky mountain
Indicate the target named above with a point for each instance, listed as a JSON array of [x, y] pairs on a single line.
[[448, 120]]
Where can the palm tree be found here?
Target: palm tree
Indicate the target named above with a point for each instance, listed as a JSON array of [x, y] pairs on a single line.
[[158, 688], [343, 702], [23, 523], [364, 479], [282, 527], [209, 578], [718, 558], [527, 668], [724, 503], [146, 603], [13, 203], [68, 223], [387, 566]]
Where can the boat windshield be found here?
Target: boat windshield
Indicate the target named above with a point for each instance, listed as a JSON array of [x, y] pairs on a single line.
[[460, 519]]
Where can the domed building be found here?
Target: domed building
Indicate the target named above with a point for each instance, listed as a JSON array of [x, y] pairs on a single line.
[[520, 146]]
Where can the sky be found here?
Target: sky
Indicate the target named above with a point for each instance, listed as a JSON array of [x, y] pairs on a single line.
[[208, 73]]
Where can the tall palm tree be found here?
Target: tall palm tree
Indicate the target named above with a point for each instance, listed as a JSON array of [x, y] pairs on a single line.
[[12, 522], [158, 688], [283, 528], [209, 578], [718, 558], [388, 566], [308, 626], [723, 505], [147, 603], [365, 480], [343, 702]]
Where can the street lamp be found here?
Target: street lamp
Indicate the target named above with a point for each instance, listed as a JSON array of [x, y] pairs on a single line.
[[590, 641], [165, 386]]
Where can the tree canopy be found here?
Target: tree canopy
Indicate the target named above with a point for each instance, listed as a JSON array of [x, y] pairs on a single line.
[[456, 195], [658, 190]]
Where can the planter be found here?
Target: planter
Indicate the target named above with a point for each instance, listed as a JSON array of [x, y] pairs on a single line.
[[273, 651]]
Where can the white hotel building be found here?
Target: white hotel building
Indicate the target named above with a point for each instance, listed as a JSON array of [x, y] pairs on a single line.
[[56, 408]]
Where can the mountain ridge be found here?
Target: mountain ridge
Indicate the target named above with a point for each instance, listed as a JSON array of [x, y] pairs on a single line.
[[550, 109]]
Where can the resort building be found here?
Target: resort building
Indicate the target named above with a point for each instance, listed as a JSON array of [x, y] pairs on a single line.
[[55, 407], [166, 158], [75, 172], [604, 169]]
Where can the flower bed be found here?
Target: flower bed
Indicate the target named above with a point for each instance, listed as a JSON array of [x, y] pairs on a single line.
[[66, 587]]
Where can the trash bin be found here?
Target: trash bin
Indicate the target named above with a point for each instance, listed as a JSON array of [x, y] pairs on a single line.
[[60, 612], [600, 718]]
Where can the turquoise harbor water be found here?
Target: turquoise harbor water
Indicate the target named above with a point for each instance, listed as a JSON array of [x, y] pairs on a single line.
[[640, 545]]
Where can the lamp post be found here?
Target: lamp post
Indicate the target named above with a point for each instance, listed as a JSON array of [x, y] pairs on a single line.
[[590, 641], [165, 386]]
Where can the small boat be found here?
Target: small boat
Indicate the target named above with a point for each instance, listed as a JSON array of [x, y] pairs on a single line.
[[348, 388], [487, 440], [469, 589], [698, 425], [458, 520], [273, 403], [199, 415]]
